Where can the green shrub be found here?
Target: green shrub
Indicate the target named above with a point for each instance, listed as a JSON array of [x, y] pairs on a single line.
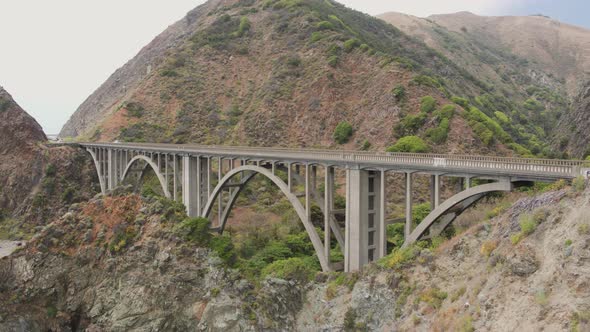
[[579, 184], [224, 247], [420, 212], [50, 170], [428, 104], [447, 112], [502, 117], [399, 257], [195, 230], [325, 25], [290, 269], [244, 27], [333, 61], [426, 81], [366, 145], [433, 296], [399, 92], [316, 36], [351, 44], [440, 134], [527, 224], [410, 124], [343, 132], [364, 48], [460, 101], [568, 242], [409, 144], [134, 109], [68, 195]]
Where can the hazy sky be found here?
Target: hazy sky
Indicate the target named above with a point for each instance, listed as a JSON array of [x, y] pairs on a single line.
[[54, 54]]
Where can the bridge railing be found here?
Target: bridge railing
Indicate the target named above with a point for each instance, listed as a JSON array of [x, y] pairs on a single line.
[[509, 164]]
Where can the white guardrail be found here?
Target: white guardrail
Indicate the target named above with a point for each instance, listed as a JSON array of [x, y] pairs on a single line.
[[553, 167]]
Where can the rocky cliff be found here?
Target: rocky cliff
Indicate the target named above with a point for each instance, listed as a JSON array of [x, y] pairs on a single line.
[[127, 269], [20, 138]]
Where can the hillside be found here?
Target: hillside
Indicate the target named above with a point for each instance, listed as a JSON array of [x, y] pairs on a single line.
[[526, 59], [37, 182], [287, 73], [20, 136]]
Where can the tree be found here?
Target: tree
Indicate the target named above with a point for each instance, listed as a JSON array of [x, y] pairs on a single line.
[[343, 132]]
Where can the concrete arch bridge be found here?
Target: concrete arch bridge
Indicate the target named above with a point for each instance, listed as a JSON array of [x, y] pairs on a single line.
[[209, 179]]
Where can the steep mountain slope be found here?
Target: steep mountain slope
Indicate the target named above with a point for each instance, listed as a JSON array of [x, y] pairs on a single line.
[[527, 59], [287, 73], [20, 136], [37, 182]]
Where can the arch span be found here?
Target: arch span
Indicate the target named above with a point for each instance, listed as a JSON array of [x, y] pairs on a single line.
[[154, 167], [467, 196], [103, 187], [252, 171]]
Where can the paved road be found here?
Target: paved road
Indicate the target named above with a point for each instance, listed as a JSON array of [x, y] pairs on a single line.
[[534, 169]]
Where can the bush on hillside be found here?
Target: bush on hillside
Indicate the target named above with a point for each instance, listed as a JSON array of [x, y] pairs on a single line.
[[440, 134], [409, 125], [409, 144], [195, 230], [428, 104], [244, 27], [351, 44], [325, 25], [460, 101], [399, 92], [290, 269], [343, 132]]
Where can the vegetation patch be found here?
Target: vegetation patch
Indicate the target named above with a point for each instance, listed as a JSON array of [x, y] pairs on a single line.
[[409, 144], [343, 132]]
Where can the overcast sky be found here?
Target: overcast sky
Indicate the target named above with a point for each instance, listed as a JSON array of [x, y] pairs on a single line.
[[54, 54]]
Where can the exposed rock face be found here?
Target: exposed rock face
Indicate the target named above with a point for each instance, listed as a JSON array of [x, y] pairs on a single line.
[[20, 162], [70, 278]]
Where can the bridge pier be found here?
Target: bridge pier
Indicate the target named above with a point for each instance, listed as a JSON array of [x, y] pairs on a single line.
[[364, 218]]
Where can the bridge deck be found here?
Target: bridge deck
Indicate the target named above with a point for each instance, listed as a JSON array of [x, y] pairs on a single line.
[[521, 168]]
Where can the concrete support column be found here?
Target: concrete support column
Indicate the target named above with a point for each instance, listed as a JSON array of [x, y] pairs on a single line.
[[289, 177], [382, 230], [112, 169], [328, 206], [274, 168], [434, 191], [208, 178], [307, 192], [199, 179], [175, 175], [189, 185], [408, 228], [356, 233], [467, 182]]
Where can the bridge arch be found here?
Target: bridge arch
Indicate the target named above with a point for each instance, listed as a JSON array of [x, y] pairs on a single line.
[[154, 167], [103, 187], [466, 197], [250, 172]]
